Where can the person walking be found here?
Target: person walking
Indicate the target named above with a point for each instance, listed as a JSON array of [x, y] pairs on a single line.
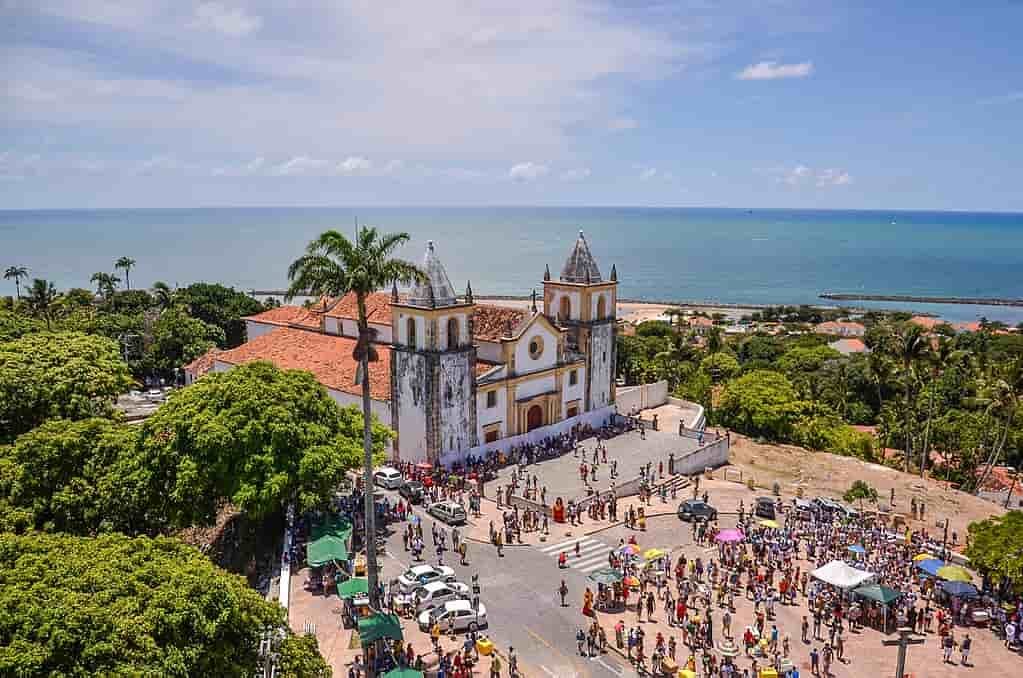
[[563, 592], [495, 666], [964, 649], [947, 645]]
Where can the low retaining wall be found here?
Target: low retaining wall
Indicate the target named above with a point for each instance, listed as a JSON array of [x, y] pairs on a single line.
[[713, 454], [594, 418], [636, 398]]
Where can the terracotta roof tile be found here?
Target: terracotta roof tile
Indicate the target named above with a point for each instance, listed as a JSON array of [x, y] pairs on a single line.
[[378, 308], [327, 357], [482, 367], [850, 345], [490, 323], [289, 315], [202, 364], [926, 322], [837, 327]]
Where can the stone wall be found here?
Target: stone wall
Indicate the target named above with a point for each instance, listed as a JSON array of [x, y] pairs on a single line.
[[601, 362]]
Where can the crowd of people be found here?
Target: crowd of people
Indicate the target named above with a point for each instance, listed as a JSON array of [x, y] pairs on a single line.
[[771, 566]]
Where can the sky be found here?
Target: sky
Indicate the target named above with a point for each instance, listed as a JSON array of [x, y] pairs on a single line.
[[758, 103]]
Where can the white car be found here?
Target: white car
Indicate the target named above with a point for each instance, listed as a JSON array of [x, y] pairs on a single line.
[[449, 512], [437, 593], [420, 575], [461, 611], [388, 478]]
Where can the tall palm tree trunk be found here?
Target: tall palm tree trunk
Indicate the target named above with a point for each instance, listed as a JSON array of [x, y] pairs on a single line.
[[17, 288], [996, 452], [367, 459], [907, 433], [924, 451]]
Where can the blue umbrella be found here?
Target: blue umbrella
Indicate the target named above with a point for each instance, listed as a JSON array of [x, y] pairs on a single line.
[[960, 589], [930, 566], [856, 548]]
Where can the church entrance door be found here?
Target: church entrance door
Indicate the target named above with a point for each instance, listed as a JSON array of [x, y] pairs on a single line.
[[534, 418]]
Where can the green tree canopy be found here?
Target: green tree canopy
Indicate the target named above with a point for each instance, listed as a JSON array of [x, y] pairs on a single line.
[[61, 374], [995, 547], [73, 476], [178, 339], [121, 606], [806, 359], [14, 325], [760, 403], [859, 491], [254, 435], [221, 306], [720, 366]]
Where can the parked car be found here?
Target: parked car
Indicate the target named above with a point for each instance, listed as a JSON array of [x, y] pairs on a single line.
[[437, 593], [420, 575], [695, 509], [764, 508], [466, 618], [387, 477], [412, 491], [449, 512]]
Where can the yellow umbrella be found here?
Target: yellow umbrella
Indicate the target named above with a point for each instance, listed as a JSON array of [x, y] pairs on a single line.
[[923, 556], [630, 581], [954, 573], [770, 523], [653, 554], [686, 673]]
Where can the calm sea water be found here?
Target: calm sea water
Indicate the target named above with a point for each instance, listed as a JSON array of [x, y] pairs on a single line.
[[737, 256]]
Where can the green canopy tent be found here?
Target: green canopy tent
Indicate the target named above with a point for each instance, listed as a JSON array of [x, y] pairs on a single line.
[[352, 588], [337, 526], [377, 626], [606, 576], [326, 549], [403, 672], [880, 594]]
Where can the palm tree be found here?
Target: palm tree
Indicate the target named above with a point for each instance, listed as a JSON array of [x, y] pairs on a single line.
[[16, 273], [936, 358], [334, 266], [105, 283], [42, 297], [908, 345], [126, 263], [163, 294], [1003, 394]]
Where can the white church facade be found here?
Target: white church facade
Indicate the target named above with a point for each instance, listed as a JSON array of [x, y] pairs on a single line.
[[453, 374]]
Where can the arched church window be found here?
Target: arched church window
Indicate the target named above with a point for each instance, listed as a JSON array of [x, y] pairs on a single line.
[[565, 309], [411, 341], [601, 307], [452, 333]]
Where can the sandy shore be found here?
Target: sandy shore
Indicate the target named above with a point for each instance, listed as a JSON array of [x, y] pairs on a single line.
[[634, 311]]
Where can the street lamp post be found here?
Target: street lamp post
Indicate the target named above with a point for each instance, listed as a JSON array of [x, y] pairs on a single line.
[[1012, 473]]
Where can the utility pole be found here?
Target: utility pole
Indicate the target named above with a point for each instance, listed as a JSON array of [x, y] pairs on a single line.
[[904, 641], [1013, 473], [944, 543]]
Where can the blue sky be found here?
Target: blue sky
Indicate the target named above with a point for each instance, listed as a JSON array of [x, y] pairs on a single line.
[[769, 103]]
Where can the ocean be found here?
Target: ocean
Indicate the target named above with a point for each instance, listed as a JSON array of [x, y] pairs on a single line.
[[759, 256]]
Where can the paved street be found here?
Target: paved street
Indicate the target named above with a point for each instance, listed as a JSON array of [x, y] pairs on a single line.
[[519, 591]]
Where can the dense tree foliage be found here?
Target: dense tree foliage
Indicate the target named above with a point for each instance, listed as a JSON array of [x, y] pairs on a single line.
[[178, 339], [16, 325], [994, 547], [255, 435], [61, 374], [860, 490], [120, 606], [79, 477], [921, 391], [221, 306]]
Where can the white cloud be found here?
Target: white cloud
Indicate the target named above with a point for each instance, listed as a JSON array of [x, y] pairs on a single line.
[[234, 22], [801, 175], [527, 171], [772, 70], [578, 174], [470, 77], [298, 165], [648, 173], [354, 164], [622, 124]]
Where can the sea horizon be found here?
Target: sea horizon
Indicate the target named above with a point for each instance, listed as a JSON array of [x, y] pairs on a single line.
[[754, 256]]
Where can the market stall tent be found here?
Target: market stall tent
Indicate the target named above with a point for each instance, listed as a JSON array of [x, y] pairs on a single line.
[[372, 629], [843, 576], [878, 593], [326, 549]]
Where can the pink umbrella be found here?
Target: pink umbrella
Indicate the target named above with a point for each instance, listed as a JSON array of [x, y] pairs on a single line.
[[730, 535]]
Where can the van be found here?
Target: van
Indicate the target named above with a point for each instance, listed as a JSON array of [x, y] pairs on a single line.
[[387, 477]]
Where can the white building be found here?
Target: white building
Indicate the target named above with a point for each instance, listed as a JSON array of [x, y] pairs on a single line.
[[453, 374]]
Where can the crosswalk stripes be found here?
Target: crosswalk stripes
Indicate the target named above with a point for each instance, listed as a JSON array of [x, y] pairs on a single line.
[[592, 553]]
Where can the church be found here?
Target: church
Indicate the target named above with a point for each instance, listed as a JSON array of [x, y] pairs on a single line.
[[453, 374]]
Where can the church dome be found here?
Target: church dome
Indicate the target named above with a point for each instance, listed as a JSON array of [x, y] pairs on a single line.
[[580, 266], [436, 290]]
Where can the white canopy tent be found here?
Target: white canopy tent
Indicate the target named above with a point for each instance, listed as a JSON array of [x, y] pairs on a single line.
[[843, 576]]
